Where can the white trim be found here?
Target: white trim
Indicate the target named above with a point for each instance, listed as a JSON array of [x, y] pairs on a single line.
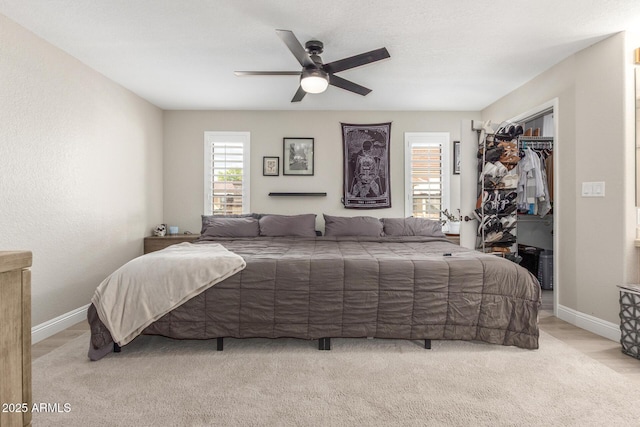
[[557, 191], [549, 105], [59, 324], [584, 321], [592, 324], [245, 139], [431, 138]]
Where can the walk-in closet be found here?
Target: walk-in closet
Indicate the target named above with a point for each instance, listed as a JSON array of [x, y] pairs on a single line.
[[515, 200]]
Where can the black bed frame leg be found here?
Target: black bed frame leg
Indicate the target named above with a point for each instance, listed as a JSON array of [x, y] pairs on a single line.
[[324, 344], [116, 348], [220, 343], [427, 344]]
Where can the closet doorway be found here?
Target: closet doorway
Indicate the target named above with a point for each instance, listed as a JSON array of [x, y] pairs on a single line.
[[538, 233]]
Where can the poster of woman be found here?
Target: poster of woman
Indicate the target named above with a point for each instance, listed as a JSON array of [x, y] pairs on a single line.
[[366, 165]]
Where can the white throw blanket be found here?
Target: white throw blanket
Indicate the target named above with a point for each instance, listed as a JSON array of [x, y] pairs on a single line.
[[148, 287]]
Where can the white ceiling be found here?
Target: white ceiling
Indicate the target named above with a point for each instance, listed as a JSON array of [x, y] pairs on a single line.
[[445, 54]]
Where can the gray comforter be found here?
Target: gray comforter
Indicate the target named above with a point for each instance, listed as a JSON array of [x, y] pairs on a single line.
[[408, 288]]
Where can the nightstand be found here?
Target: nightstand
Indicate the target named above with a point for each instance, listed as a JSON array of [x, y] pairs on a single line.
[[15, 337], [453, 238], [155, 243]]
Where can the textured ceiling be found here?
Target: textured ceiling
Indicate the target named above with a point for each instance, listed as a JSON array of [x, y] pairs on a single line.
[[445, 55]]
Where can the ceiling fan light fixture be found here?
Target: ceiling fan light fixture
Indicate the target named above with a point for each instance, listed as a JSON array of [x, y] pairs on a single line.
[[314, 80]]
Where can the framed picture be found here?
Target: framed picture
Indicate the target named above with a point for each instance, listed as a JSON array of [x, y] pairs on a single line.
[[456, 157], [270, 166], [297, 156]]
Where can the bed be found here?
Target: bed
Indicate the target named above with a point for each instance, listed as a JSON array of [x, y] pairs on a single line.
[[399, 285]]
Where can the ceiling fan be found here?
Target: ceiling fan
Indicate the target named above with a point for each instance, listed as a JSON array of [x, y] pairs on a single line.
[[315, 76]]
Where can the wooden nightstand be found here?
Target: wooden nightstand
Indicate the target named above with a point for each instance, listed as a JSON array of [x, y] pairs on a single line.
[[15, 337], [454, 238], [155, 243]]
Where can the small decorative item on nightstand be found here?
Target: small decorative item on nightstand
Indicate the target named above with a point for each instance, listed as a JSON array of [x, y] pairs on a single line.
[[160, 230]]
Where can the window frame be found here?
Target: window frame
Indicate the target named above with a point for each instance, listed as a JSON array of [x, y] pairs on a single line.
[[442, 139], [212, 137]]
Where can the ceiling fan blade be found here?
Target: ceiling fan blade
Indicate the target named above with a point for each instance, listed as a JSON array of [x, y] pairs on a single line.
[[348, 85], [357, 60], [267, 73], [296, 48], [299, 95]]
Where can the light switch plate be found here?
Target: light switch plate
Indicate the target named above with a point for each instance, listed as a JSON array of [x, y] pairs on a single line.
[[598, 189], [593, 189]]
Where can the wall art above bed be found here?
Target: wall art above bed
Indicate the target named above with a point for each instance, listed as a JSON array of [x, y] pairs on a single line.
[[270, 166], [366, 165], [297, 156]]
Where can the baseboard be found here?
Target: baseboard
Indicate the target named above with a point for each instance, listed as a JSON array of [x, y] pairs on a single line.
[[592, 324], [60, 323]]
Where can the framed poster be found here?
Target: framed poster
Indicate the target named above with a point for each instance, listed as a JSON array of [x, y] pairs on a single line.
[[297, 156], [270, 166], [456, 157], [366, 165]]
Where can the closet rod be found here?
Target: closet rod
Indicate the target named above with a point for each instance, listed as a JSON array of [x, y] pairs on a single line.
[[536, 138], [535, 142]]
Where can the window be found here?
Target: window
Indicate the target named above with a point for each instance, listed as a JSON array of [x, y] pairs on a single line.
[[226, 173], [427, 170]]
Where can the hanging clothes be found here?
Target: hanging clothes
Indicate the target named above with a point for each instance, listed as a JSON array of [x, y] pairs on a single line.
[[548, 166], [533, 191], [544, 205]]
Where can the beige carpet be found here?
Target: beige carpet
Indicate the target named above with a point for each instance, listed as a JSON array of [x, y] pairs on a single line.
[[161, 382]]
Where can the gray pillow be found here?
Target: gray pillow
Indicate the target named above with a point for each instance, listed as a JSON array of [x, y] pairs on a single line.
[[288, 225], [231, 227], [352, 226], [206, 219], [412, 227]]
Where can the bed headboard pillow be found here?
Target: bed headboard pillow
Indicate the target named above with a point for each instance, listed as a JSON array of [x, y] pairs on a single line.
[[231, 227], [352, 226], [207, 219], [303, 225], [412, 227]]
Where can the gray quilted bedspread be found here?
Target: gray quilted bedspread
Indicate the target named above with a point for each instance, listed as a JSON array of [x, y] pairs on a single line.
[[359, 287]]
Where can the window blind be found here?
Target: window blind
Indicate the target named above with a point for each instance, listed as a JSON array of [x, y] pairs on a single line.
[[227, 177], [426, 180]]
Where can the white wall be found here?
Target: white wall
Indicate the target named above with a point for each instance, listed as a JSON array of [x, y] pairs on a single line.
[[183, 161], [595, 249], [80, 170]]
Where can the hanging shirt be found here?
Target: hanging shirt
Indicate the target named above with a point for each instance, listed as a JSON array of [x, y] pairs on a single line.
[[548, 166], [531, 185]]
